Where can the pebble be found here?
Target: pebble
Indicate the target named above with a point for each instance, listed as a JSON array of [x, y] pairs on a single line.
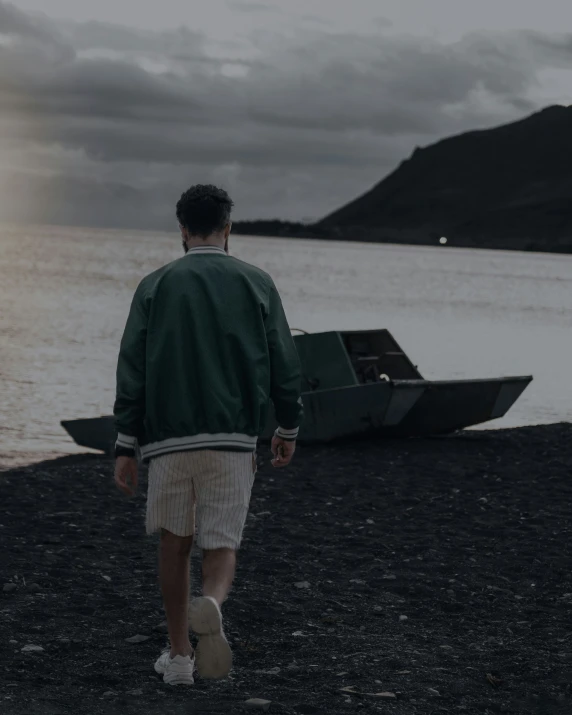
[[137, 691], [272, 671], [302, 584], [161, 627], [34, 588], [389, 577], [109, 693], [434, 692], [258, 704], [385, 694], [403, 618], [13, 642], [137, 639], [32, 649], [9, 587]]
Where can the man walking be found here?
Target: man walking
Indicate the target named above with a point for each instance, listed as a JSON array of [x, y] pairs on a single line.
[[206, 347]]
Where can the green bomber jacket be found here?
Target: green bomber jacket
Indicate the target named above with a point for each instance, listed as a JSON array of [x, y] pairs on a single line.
[[205, 350]]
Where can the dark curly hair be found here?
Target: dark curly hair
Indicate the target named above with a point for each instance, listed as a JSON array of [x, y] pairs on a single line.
[[204, 210]]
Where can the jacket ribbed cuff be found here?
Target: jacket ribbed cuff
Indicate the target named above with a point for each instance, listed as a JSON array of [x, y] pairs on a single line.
[[124, 440], [125, 446], [288, 435]]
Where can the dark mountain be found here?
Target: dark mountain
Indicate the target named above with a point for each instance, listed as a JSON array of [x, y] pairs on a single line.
[[509, 187]]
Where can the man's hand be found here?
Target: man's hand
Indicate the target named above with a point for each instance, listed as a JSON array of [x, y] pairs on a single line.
[[126, 475], [283, 452]]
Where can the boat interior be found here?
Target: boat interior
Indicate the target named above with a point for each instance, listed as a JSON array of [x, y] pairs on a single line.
[[340, 359], [376, 356]]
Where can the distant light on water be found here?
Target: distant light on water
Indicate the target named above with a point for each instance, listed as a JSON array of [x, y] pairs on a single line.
[[443, 240]]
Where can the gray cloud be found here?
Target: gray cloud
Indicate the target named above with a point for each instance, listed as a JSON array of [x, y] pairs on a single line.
[[311, 118], [257, 7], [383, 22], [181, 42], [15, 22], [555, 50], [104, 89]]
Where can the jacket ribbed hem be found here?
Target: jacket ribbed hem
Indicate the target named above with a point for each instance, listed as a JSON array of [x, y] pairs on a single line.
[[232, 442]]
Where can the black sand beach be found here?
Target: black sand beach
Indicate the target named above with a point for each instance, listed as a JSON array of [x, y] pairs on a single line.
[[407, 577]]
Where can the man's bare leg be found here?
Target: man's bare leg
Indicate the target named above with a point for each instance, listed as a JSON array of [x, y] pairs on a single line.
[[219, 566], [174, 576]]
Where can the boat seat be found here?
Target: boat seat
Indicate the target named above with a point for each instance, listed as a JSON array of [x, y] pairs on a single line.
[[368, 360], [372, 359]]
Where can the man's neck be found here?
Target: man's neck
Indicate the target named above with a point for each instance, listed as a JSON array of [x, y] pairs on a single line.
[[213, 241], [207, 243]]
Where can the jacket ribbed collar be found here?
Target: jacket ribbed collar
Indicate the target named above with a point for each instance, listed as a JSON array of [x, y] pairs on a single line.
[[206, 249]]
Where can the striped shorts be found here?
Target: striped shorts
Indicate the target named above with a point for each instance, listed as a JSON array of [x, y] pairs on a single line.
[[205, 493]]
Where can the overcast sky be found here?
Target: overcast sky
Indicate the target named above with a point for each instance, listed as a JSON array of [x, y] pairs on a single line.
[[109, 110]]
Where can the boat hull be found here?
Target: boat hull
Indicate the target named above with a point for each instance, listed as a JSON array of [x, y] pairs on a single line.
[[357, 410], [94, 433], [449, 406], [403, 408]]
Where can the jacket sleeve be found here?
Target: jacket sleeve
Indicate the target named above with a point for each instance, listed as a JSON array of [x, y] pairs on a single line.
[[285, 370], [129, 409]]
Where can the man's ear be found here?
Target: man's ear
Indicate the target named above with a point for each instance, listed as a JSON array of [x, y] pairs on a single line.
[[227, 230], [184, 238]]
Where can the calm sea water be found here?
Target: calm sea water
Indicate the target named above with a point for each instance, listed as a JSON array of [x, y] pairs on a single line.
[[65, 293]]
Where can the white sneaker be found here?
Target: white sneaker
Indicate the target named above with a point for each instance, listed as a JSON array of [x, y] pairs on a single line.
[[175, 671], [213, 654]]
